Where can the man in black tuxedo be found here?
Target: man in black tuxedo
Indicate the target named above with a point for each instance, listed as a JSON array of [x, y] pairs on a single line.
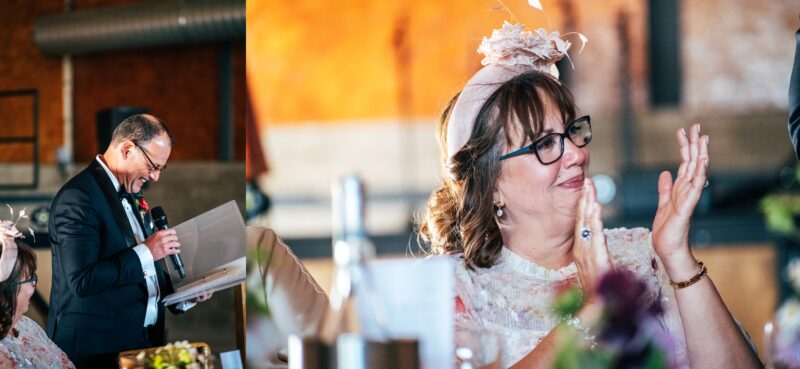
[[794, 99], [107, 281]]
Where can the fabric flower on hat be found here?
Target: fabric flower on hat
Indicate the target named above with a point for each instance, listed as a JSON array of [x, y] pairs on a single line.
[[513, 45], [8, 232], [9, 228]]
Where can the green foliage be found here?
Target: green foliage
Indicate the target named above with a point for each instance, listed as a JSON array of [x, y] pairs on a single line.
[[573, 355], [256, 288], [780, 211], [568, 302], [656, 360]]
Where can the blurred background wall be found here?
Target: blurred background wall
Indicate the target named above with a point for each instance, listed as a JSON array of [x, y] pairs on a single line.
[[358, 86], [49, 102]]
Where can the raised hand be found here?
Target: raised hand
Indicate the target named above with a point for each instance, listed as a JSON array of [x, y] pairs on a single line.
[[590, 253], [677, 201]]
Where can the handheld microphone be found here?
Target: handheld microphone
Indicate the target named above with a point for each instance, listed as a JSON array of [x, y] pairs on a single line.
[[160, 220]]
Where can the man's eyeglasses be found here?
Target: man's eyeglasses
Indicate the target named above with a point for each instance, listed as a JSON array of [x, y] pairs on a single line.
[[151, 166], [549, 149], [33, 279]]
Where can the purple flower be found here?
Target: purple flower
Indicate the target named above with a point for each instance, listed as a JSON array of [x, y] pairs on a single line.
[[629, 327]]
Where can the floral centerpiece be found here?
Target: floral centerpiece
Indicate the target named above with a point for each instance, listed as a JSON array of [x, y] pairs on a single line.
[[178, 355], [627, 333]]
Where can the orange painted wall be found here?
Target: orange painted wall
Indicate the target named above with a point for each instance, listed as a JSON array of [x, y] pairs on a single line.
[[327, 61], [310, 60]]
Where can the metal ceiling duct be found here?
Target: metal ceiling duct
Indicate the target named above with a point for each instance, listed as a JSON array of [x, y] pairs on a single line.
[[139, 25]]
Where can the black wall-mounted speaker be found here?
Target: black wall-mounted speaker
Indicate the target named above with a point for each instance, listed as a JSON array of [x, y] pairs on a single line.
[[109, 119]]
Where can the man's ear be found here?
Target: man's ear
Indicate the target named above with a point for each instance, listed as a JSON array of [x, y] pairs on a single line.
[[126, 148]]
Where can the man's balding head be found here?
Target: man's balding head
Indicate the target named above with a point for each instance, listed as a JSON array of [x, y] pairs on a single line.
[[139, 128]]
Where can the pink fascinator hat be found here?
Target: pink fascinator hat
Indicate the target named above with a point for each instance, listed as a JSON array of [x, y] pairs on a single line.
[[8, 232], [510, 51]]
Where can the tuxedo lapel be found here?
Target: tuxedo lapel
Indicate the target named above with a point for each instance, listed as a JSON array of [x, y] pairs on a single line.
[[112, 197], [794, 98]]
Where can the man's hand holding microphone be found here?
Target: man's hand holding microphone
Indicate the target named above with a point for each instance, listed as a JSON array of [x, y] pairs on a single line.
[[163, 243]]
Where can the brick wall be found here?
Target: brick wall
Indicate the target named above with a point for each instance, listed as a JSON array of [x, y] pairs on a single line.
[[177, 83], [23, 67]]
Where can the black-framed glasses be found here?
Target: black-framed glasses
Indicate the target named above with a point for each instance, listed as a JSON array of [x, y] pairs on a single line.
[[33, 279], [153, 166], [550, 148]]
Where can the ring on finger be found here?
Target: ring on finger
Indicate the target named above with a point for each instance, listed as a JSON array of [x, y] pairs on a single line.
[[586, 234]]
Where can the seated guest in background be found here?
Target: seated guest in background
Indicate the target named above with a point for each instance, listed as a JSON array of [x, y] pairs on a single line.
[[108, 283], [519, 214], [296, 302], [23, 343]]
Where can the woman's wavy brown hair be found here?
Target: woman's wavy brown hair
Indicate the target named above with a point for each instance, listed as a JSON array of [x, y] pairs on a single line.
[[25, 266], [460, 214]]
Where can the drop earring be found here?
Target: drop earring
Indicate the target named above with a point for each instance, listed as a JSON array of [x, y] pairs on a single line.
[[500, 212]]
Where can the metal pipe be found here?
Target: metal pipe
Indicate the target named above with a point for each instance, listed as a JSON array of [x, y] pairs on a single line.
[[225, 79], [66, 151], [140, 25]]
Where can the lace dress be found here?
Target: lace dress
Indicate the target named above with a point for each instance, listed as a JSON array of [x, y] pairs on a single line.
[[31, 349], [514, 297]]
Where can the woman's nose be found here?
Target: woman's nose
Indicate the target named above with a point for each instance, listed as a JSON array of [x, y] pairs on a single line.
[[573, 155]]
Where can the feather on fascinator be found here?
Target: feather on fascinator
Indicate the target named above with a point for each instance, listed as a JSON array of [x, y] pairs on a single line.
[[510, 51], [8, 232]]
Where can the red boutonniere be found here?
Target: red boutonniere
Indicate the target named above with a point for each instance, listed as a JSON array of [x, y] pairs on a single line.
[[141, 204]]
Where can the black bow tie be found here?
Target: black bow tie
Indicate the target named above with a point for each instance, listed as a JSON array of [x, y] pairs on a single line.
[[127, 195]]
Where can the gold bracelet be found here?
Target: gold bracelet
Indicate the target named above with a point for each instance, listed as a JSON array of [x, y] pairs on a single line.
[[683, 284]]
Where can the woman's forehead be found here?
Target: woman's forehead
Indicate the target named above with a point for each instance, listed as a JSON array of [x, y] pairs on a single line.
[[553, 122]]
